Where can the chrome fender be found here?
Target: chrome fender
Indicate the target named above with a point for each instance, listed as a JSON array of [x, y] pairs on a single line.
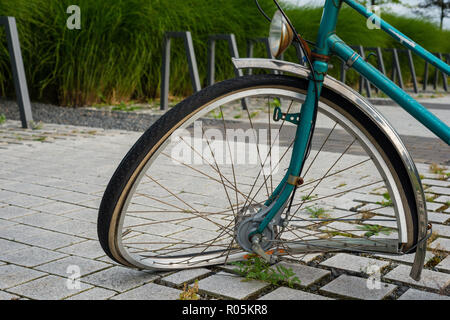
[[365, 106]]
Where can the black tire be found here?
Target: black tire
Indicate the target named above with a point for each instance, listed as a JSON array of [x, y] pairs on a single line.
[[123, 178]]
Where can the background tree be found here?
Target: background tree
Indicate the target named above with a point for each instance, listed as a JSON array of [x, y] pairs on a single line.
[[442, 5]]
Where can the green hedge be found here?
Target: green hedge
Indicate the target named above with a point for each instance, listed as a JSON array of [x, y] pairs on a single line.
[[116, 56]]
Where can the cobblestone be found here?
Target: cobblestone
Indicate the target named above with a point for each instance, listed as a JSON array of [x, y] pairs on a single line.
[[430, 279], [354, 263], [284, 293], [413, 294], [230, 286], [183, 276], [48, 216], [357, 288]]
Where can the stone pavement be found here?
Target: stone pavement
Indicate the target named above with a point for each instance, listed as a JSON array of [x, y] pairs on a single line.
[[51, 183]]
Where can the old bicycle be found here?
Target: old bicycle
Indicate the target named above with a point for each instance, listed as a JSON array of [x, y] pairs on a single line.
[[304, 179]]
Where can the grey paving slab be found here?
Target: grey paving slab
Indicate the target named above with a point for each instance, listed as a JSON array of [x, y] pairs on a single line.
[[84, 214], [406, 258], [439, 190], [442, 244], [51, 240], [433, 206], [150, 291], [31, 257], [230, 286], [57, 207], [48, 288], [61, 267], [7, 296], [76, 228], [354, 263], [12, 275], [434, 182], [442, 199], [120, 278], [9, 212], [26, 201], [444, 265], [438, 217], [430, 279], [9, 246], [183, 276], [93, 294], [442, 230], [42, 220], [307, 275], [88, 249], [284, 293], [357, 288], [413, 294]]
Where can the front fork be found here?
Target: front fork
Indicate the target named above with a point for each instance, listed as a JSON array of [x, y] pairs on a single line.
[[283, 191]]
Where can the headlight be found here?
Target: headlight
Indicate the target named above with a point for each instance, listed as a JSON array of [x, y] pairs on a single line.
[[281, 35]]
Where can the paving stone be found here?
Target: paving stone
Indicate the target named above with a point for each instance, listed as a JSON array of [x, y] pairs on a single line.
[[88, 249], [438, 183], [11, 275], [93, 294], [444, 265], [7, 296], [48, 288], [51, 240], [358, 288], [439, 190], [31, 257], [354, 263], [442, 244], [433, 206], [85, 214], [42, 220], [438, 217], [9, 246], [60, 267], [57, 208], [442, 230], [230, 286], [76, 228], [307, 275], [430, 279], [284, 293], [120, 278], [150, 291], [406, 258], [9, 212], [442, 199], [413, 294], [27, 201], [183, 276], [6, 223]]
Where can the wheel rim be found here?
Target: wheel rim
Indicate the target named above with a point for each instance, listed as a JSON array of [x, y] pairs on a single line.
[[163, 226]]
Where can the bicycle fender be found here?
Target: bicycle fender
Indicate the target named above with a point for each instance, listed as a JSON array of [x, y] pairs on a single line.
[[367, 108]]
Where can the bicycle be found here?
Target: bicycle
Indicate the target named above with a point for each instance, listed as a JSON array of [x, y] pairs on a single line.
[[320, 158]]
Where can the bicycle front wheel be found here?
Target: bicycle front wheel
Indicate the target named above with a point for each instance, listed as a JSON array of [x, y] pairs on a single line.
[[179, 195]]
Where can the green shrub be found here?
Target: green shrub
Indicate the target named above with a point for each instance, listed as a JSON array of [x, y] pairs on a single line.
[[116, 56]]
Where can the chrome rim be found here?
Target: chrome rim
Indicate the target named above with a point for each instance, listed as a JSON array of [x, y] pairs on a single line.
[[181, 211]]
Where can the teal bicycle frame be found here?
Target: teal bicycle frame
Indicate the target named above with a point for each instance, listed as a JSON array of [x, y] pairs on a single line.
[[329, 43]]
